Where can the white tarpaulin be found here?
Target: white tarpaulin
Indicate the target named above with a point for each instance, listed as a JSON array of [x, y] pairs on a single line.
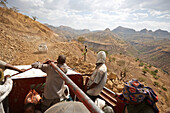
[[31, 73]]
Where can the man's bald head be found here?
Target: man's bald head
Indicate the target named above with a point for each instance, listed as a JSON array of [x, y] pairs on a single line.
[[61, 59]]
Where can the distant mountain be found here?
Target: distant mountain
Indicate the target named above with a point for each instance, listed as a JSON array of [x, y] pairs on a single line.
[[124, 30], [162, 33], [71, 30], [129, 34], [145, 31], [67, 32]]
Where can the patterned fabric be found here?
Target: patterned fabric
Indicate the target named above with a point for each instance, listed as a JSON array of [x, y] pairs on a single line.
[[135, 92]]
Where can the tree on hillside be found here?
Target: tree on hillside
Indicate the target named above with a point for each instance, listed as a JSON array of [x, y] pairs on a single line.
[[3, 3], [124, 68], [15, 9], [34, 18], [81, 39]]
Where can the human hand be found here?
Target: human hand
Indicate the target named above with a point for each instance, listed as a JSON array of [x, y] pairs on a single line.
[[47, 61], [35, 65], [7, 76], [22, 70]]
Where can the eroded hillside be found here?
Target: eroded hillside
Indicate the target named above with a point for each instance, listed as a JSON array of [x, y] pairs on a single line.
[[152, 47], [108, 41]]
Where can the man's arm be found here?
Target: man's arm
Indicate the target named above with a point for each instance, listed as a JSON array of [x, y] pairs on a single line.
[[38, 65], [96, 80], [4, 65], [92, 86], [9, 66]]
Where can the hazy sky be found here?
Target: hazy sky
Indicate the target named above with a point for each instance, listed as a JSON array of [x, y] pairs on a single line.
[[99, 14]]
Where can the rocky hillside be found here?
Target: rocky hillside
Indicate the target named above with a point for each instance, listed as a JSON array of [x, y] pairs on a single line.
[[156, 53], [20, 37], [124, 68]]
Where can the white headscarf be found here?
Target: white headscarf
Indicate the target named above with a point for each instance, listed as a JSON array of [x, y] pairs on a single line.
[[101, 57]]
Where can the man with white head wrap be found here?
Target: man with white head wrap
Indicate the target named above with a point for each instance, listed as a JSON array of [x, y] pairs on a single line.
[[98, 79]]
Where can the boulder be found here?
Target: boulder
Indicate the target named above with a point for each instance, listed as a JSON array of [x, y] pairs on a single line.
[[110, 84], [114, 90], [116, 82], [112, 75], [119, 87]]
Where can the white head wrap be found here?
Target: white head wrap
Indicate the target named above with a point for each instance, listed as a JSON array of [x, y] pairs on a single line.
[[101, 57]]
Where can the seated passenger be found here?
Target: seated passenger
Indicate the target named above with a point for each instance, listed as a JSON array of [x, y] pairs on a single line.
[[30, 108], [5, 85], [138, 99]]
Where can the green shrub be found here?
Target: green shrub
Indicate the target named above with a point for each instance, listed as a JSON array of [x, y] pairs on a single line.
[[114, 59], [27, 17], [121, 63], [156, 84], [15, 9], [141, 64], [81, 39], [164, 88], [141, 79], [150, 65], [92, 49], [156, 71], [156, 77], [137, 59], [145, 68], [152, 73], [110, 59], [34, 18], [144, 72]]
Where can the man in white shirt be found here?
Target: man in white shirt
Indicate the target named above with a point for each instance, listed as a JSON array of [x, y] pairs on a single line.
[[54, 83], [5, 89], [5, 85], [98, 79]]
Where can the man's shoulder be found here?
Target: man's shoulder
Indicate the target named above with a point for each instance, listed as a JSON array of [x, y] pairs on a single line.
[[103, 68], [2, 63], [64, 68]]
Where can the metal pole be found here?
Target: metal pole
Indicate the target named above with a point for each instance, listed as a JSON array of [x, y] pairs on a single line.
[[77, 91]]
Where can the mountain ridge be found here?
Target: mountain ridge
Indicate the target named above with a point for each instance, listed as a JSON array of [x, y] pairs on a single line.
[[158, 34]]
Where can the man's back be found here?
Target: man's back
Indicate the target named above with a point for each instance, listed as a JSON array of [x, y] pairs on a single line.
[[99, 77], [53, 81]]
